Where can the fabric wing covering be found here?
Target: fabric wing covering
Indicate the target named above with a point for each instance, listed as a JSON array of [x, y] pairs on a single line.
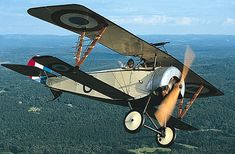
[[78, 18], [79, 76]]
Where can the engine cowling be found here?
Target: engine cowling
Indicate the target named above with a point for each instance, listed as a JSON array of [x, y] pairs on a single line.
[[165, 76]]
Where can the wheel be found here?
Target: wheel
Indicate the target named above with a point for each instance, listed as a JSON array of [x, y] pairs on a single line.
[[168, 138], [133, 121]]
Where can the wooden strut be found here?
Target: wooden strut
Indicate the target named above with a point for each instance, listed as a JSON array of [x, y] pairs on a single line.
[[78, 55], [180, 107], [91, 46], [182, 113]]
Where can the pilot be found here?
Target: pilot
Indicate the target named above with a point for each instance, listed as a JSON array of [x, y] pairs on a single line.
[[130, 63]]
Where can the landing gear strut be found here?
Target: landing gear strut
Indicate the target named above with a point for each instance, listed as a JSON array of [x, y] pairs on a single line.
[[135, 120]]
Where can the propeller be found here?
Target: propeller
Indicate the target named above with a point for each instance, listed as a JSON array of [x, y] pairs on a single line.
[[167, 106]]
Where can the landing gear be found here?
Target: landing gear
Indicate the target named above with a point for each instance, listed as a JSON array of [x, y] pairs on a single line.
[[133, 121], [167, 137]]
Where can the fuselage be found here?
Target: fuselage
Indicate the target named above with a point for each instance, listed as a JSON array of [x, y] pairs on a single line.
[[138, 83]]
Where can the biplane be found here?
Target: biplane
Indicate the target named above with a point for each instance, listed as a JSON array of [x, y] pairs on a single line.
[[150, 89]]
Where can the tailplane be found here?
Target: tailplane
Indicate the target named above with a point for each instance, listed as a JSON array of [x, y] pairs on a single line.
[[36, 72]]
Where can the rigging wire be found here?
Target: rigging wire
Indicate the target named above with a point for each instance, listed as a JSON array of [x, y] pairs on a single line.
[[118, 82]]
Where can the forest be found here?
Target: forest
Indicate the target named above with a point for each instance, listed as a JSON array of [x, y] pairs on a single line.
[[73, 124]]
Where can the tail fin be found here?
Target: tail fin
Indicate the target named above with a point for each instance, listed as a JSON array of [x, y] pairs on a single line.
[[42, 76], [33, 69], [36, 72]]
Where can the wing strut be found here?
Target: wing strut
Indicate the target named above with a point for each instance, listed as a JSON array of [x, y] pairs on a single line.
[[89, 49], [181, 113], [78, 55]]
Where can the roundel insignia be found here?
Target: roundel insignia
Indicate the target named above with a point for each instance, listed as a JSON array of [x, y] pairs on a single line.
[[86, 89], [191, 88], [78, 20], [60, 67]]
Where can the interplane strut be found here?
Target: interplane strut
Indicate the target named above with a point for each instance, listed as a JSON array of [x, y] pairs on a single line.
[[90, 47]]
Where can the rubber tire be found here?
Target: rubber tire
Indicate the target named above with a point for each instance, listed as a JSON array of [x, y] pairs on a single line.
[[171, 139], [139, 119]]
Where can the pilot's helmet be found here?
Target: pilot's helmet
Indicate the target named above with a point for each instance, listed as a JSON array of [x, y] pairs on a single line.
[[130, 63]]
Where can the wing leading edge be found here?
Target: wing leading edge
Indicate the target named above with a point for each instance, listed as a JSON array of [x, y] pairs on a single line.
[[81, 77], [78, 18]]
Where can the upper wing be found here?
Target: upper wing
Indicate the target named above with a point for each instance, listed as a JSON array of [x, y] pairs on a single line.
[[78, 18]]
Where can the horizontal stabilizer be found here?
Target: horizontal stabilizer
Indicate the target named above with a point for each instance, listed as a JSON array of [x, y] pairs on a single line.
[[81, 77], [23, 69]]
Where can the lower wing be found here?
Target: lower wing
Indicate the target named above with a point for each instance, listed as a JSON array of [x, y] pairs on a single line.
[[174, 122], [81, 77]]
